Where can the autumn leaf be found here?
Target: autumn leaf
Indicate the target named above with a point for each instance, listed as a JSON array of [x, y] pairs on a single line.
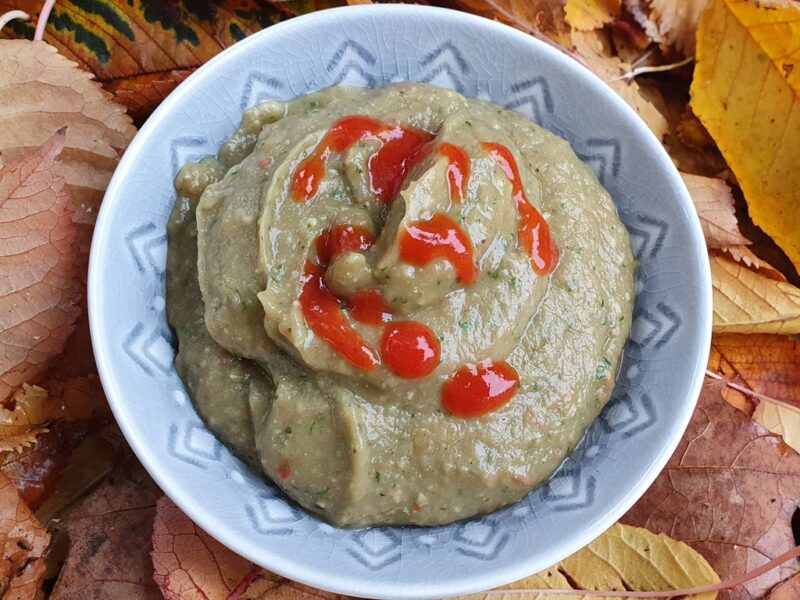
[[36, 470], [38, 285], [41, 92], [141, 47], [584, 15], [768, 366], [788, 590], [729, 491], [743, 254], [745, 91], [624, 557], [714, 203], [189, 564], [109, 533], [747, 302], [593, 48], [32, 407], [671, 23], [23, 541]]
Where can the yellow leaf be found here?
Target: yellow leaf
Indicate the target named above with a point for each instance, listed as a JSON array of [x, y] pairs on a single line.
[[744, 255], [714, 203], [747, 302], [591, 14], [623, 557], [745, 90], [780, 419]]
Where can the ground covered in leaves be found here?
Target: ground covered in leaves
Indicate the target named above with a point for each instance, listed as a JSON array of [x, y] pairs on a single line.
[[716, 81]]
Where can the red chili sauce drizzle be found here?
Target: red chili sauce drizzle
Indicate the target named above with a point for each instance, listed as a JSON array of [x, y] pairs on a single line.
[[533, 232], [399, 151], [475, 390], [342, 238], [439, 237], [457, 169], [367, 306], [322, 311], [410, 349]]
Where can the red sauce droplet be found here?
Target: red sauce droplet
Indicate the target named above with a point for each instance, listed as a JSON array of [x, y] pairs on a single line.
[[399, 151], [323, 313], [410, 349], [284, 471], [342, 238], [439, 237], [475, 390], [533, 232], [457, 169], [367, 306]]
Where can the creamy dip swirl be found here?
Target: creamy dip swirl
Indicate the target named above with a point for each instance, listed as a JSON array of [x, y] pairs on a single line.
[[403, 305]]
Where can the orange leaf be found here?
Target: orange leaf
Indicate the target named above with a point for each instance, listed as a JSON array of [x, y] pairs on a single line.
[[23, 541], [41, 92], [591, 14], [729, 491], [142, 93], [38, 285], [191, 565]]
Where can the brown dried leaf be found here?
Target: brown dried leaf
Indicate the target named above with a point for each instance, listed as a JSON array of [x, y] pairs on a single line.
[[593, 47], [38, 285], [746, 301], [714, 203], [23, 541], [671, 23], [788, 590], [40, 92], [729, 491], [584, 15], [191, 565], [744, 255], [31, 407], [537, 17], [109, 533], [141, 94]]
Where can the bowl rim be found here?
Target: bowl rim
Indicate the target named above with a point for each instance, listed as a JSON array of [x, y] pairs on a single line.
[[341, 582]]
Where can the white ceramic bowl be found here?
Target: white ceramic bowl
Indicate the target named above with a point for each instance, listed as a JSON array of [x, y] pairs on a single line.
[[622, 452]]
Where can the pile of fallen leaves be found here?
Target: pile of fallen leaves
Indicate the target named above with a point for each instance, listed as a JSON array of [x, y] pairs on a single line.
[[714, 79]]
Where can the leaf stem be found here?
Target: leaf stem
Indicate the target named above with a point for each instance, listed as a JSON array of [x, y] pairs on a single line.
[[11, 15], [747, 391], [43, 16], [652, 69], [705, 589]]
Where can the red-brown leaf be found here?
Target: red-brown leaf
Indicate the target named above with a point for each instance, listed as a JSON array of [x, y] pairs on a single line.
[[729, 490], [23, 541], [38, 285], [110, 534]]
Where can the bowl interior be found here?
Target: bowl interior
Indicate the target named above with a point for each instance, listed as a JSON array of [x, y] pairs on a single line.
[[621, 453]]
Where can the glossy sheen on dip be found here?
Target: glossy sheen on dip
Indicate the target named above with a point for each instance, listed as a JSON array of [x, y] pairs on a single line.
[[403, 305]]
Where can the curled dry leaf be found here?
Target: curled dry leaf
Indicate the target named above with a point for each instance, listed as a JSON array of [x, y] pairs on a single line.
[[590, 14], [23, 541], [32, 407], [746, 91], [593, 47], [746, 301], [109, 533], [729, 491], [671, 23], [714, 203], [191, 565], [624, 557], [38, 285]]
